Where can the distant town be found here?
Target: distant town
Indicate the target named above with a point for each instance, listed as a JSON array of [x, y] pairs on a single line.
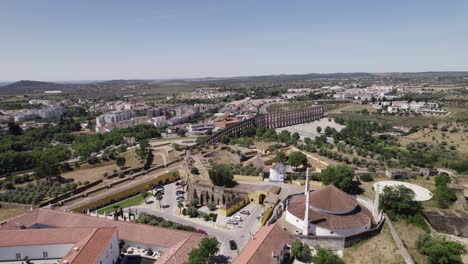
[[313, 168]]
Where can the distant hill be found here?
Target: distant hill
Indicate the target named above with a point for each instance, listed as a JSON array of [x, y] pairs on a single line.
[[27, 86]]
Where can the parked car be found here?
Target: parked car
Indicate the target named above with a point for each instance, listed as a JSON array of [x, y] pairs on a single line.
[[179, 192], [179, 187], [238, 218], [232, 245], [245, 212], [159, 189], [178, 183], [232, 222]]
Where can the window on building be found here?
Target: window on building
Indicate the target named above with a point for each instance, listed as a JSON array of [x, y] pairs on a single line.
[[18, 255], [45, 254]]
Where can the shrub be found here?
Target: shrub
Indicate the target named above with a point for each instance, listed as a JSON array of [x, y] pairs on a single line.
[[440, 250], [366, 178]]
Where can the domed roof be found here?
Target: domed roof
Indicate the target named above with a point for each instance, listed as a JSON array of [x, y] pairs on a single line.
[[332, 200]]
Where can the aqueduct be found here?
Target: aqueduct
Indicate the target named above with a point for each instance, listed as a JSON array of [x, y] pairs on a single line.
[[272, 120]]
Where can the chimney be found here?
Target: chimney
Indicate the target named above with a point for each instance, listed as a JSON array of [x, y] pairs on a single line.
[[305, 228]]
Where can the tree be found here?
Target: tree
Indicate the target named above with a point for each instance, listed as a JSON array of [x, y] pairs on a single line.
[[444, 195], [207, 248], [319, 129], [196, 257], [144, 194], [326, 256], [297, 158], [221, 175], [300, 251], [281, 157], [398, 201], [249, 131], [144, 148], [120, 161], [211, 206], [181, 132], [149, 160], [159, 197], [284, 136], [14, 129], [47, 166], [339, 175], [439, 250], [295, 137], [192, 211], [180, 205], [225, 140], [194, 170]]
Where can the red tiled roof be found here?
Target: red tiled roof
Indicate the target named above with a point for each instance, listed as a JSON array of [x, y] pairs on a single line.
[[267, 240], [94, 248], [49, 236], [170, 239], [90, 242], [324, 200], [332, 199]]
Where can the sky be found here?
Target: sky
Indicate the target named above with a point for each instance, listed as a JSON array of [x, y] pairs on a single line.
[[100, 40]]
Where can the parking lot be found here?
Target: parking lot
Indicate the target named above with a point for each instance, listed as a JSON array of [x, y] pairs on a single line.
[[240, 233]]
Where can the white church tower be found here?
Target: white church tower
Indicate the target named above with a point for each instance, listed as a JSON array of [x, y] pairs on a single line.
[[305, 228]]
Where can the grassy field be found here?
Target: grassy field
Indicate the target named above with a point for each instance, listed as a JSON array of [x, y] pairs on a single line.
[[135, 200], [459, 139], [6, 213], [409, 234], [378, 249]]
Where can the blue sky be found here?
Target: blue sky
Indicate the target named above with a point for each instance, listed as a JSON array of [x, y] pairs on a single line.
[[99, 39]]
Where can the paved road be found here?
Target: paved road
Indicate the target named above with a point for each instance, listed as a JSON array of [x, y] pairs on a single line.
[[240, 233]]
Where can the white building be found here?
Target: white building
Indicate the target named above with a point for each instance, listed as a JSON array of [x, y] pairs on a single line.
[[159, 121], [200, 127], [329, 211], [65, 245]]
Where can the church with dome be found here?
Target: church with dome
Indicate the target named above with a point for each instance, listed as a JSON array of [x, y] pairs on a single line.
[[329, 211]]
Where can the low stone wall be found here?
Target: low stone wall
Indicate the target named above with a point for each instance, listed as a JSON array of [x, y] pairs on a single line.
[[399, 243], [447, 221], [328, 242], [248, 178]]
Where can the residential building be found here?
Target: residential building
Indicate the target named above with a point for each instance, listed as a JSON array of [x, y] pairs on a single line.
[[270, 245], [75, 238]]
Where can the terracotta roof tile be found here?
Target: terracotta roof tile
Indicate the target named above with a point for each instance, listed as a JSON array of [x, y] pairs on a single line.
[[267, 240], [178, 241], [332, 199]]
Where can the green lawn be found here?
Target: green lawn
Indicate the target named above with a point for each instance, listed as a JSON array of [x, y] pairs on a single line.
[[135, 200]]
